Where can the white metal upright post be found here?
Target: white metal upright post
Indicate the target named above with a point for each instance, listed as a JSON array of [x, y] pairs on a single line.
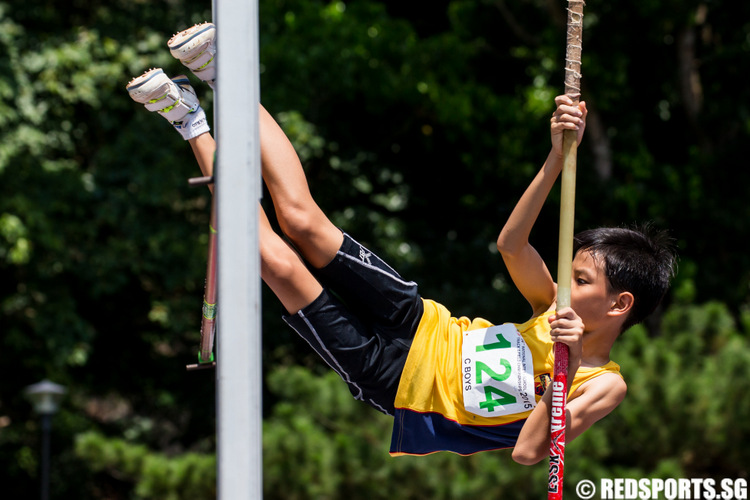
[[238, 191]]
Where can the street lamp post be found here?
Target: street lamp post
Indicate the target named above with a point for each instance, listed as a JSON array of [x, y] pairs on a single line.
[[45, 397]]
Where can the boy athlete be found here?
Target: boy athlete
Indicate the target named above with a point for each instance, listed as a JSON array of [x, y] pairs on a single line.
[[451, 383]]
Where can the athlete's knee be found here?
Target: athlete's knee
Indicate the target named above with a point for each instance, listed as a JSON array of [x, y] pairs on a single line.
[[299, 221], [278, 262]]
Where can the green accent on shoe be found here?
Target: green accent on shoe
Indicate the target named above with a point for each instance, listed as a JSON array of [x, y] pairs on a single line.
[[170, 108], [159, 99], [209, 62]]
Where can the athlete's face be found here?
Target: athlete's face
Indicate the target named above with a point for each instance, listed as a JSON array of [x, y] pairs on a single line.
[[590, 296]]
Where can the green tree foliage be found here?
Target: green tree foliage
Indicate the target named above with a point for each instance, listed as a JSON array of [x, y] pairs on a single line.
[[419, 127], [154, 475]]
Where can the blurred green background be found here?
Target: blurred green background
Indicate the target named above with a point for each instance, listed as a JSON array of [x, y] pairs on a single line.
[[419, 124]]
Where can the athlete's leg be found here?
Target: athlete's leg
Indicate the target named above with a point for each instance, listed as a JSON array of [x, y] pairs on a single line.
[[204, 148], [354, 271], [369, 363], [283, 270], [299, 216], [366, 282], [281, 267]]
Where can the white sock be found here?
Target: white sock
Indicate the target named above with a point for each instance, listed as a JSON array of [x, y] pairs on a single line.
[[193, 125]]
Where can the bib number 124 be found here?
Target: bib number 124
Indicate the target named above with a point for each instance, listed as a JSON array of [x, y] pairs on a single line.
[[497, 372]]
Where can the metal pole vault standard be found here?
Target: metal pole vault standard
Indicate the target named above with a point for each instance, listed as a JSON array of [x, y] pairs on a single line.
[[238, 191], [565, 251]]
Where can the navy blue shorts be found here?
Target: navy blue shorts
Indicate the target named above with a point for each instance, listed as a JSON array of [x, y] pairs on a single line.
[[363, 323]]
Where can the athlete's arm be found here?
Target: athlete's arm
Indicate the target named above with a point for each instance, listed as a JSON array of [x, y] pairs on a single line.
[[593, 401], [525, 266], [527, 269]]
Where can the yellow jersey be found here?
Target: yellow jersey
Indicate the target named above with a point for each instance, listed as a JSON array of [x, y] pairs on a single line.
[[468, 385]]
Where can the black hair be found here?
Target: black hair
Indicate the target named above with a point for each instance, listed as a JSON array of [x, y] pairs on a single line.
[[640, 261]]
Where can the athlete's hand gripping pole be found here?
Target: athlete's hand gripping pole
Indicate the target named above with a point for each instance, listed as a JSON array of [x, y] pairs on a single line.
[[558, 419]]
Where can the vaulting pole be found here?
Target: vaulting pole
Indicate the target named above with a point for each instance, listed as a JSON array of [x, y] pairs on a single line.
[[238, 189], [565, 251]]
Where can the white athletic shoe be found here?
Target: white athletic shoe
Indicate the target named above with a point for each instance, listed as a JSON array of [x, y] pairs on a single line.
[[173, 99], [196, 48]]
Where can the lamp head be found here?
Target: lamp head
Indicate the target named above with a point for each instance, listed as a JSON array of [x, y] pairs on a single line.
[[45, 396]]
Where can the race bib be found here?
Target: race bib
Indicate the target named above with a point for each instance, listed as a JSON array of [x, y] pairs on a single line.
[[498, 372]]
